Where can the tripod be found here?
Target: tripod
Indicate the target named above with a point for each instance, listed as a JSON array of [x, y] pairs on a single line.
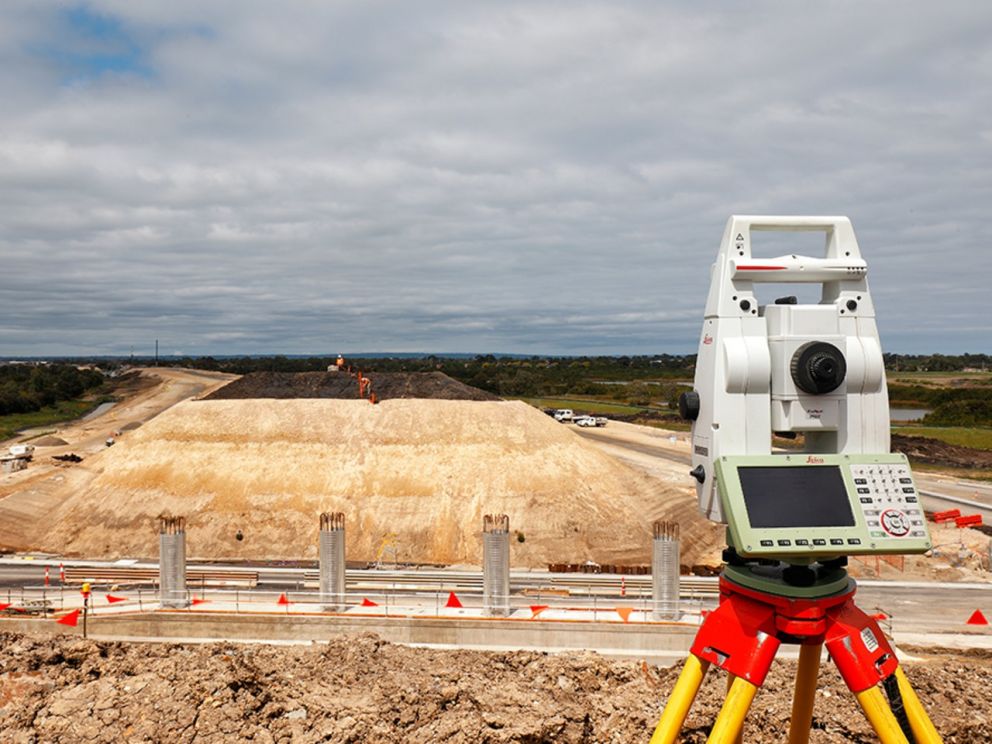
[[743, 634]]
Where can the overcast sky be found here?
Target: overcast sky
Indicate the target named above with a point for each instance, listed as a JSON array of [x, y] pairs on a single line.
[[248, 177]]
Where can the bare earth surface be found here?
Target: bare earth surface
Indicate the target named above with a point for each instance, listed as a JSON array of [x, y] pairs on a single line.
[[419, 472], [360, 689], [385, 385], [935, 452], [28, 497]]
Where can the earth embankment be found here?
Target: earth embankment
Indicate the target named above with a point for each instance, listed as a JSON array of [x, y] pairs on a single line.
[[417, 475]]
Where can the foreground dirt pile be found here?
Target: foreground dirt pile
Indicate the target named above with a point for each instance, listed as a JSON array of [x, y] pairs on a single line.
[[359, 689], [385, 385], [417, 475]]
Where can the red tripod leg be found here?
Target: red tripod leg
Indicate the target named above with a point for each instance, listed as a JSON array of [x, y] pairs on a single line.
[[864, 658], [739, 636]]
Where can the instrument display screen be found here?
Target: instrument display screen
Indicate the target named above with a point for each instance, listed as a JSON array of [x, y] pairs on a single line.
[[813, 496]]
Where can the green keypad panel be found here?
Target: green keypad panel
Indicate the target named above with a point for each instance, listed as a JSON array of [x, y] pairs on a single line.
[[889, 501], [821, 505]]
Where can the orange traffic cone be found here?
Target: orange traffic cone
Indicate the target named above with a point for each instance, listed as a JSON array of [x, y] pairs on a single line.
[[977, 618], [453, 601]]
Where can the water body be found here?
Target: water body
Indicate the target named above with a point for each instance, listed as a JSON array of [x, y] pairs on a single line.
[[907, 414]]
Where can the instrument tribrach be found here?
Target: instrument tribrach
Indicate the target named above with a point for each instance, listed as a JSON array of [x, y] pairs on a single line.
[[812, 374]]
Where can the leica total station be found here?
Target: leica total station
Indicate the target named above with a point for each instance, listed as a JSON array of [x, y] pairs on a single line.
[[810, 377]]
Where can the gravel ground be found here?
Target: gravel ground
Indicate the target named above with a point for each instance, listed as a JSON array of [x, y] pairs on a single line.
[[360, 689]]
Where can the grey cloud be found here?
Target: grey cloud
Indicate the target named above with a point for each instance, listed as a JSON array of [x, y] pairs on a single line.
[[472, 177]]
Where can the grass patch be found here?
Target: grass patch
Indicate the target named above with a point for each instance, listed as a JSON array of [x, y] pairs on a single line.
[[66, 410], [592, 406], [962, 436]]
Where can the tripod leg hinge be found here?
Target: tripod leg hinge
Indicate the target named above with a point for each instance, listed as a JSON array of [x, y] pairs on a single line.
[[858, 647], [739, 636]]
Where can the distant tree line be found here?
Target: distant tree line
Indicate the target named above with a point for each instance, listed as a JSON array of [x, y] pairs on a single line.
[[937, 362], [640, 379], [30, 387]]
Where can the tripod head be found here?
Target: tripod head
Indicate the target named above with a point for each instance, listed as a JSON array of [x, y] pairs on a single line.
[[793, 369]]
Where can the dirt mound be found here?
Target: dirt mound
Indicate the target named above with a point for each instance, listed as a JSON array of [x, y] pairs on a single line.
[[417, 474], [385, 385], [360, 689], [131, 426], [49, 441], [935, 452]]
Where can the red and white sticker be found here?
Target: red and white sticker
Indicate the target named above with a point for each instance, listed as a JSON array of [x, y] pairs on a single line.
[[869, 639]]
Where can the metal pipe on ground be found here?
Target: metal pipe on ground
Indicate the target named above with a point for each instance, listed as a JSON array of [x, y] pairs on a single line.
[[172, 562], [332, 561], [496, 564], [665, 570]]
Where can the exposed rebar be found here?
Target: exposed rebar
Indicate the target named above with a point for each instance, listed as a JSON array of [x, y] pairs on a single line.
[[665, 529], [331, 521], [496, 523], [171, 525]]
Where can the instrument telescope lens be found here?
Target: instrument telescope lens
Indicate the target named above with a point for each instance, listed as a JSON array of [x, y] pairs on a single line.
[[818, 368]]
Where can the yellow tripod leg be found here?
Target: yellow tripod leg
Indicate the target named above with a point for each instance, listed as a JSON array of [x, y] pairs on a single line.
[[732, 714], [739, 739], [679, 702], [880, 716], [919, 721], [805, 693]]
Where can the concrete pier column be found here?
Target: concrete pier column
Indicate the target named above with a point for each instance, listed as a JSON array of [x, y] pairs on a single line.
[[665, 570], [172, 562], [496, 564], [332, 558]]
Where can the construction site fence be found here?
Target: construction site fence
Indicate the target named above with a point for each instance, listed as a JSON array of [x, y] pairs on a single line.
[[625, 570], [43, 601]]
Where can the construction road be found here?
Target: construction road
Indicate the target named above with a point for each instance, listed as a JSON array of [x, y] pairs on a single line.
[[28, 495]]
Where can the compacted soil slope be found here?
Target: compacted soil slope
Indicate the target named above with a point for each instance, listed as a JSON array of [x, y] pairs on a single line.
[[416, 473]]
